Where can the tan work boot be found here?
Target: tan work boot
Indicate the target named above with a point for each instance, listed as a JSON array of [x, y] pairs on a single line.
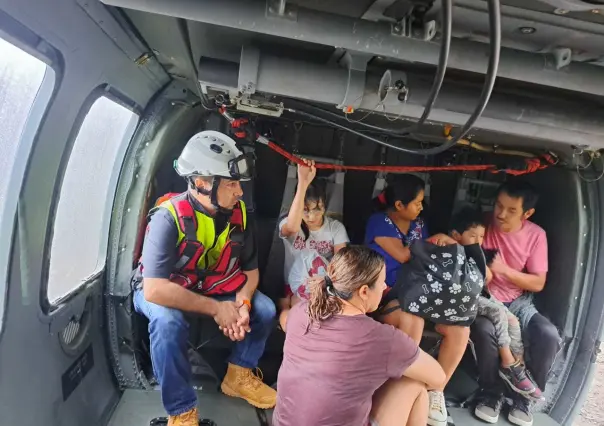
[[190, 418], [242, 383]]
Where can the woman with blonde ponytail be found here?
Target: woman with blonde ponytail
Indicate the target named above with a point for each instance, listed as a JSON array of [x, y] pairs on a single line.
[[342, 368]]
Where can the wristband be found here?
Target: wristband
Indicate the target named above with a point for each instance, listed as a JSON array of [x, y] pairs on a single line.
[[248, 304]]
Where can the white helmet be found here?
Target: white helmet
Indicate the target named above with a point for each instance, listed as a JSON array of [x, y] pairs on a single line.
[[211, 153]]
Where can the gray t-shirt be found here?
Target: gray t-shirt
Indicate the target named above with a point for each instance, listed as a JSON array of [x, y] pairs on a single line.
[[320, 243]]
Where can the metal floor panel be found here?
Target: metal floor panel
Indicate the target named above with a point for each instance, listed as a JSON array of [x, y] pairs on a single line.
[[464, 417], [138, 408]]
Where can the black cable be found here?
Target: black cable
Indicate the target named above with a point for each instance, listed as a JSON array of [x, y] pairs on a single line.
[[441, 69], [356, 132], [487, 89], [495, 47], [443, 58]]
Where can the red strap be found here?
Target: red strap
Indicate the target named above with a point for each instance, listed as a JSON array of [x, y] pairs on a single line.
[[533, 164], [381, 168], [237, 216], [184, 210]]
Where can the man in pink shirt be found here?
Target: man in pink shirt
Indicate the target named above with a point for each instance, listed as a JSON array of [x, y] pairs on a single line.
[[519, 270]]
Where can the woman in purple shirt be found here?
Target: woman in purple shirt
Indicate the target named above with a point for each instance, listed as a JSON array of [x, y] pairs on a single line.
[[342, 368]]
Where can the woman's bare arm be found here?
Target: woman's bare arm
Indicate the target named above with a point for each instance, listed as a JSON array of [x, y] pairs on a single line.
[[427, 370], [395, 248]]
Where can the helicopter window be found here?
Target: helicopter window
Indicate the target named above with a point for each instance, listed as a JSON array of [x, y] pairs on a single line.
[[81, 224], [26, 85]]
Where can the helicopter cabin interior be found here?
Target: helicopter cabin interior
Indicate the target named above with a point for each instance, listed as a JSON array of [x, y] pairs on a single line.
[[97, 99]]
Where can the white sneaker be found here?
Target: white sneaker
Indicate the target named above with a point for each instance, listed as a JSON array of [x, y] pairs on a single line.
[[437, 410]]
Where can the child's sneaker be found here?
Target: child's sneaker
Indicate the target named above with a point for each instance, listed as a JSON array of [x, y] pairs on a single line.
[[536, 395], [515, 376]]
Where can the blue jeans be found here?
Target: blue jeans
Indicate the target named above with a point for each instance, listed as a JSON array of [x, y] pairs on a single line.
[[169, 332]]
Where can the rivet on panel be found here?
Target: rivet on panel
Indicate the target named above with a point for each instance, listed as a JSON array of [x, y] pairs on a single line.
[[527, 30]]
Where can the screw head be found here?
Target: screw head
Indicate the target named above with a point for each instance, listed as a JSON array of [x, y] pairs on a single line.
[[527, 30], [560, 11]]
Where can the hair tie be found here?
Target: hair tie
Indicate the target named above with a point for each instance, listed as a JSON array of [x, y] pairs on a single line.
[[329, 286], [382, 198]]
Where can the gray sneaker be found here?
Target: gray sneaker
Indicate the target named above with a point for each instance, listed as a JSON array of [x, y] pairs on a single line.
[[489, 407], [520, 413]]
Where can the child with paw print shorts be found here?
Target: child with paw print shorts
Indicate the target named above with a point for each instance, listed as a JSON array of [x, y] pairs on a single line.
[[468, 228]]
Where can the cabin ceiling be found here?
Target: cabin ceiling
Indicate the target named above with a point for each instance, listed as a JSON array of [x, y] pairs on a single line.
[[533, 33], [581, 31]]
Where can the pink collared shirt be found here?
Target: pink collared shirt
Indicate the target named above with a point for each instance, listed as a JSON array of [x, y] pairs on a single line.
[[524, 250]]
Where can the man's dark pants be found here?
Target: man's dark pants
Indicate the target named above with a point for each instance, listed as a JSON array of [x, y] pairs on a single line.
[[544, 344]]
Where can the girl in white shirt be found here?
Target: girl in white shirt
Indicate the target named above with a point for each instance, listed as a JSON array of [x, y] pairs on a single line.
[[310, 238]]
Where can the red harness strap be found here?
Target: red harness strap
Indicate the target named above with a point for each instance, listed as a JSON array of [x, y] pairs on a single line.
[[190, 249], [225, 276]]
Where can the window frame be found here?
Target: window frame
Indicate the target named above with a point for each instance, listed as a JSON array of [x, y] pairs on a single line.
[[23, 38], [107, 91]]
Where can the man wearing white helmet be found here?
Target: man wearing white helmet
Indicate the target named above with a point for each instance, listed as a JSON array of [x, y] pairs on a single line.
[[199, 256]]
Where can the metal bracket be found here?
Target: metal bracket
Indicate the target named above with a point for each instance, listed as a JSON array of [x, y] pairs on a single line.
[[248, 70], [426, 32], [280, 9], [402, 28], [563, 56], [355, 88], [393, 88], [405, 28], [259, 106]]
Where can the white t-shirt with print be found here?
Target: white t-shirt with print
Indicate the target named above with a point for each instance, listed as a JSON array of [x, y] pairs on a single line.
[[320, 242], [305, 267]]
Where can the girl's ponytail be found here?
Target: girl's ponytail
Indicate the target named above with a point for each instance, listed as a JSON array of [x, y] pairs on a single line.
[[403, 188], [380, 202]]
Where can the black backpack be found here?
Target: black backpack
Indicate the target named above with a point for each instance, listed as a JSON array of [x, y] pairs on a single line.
[[442, 284]]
